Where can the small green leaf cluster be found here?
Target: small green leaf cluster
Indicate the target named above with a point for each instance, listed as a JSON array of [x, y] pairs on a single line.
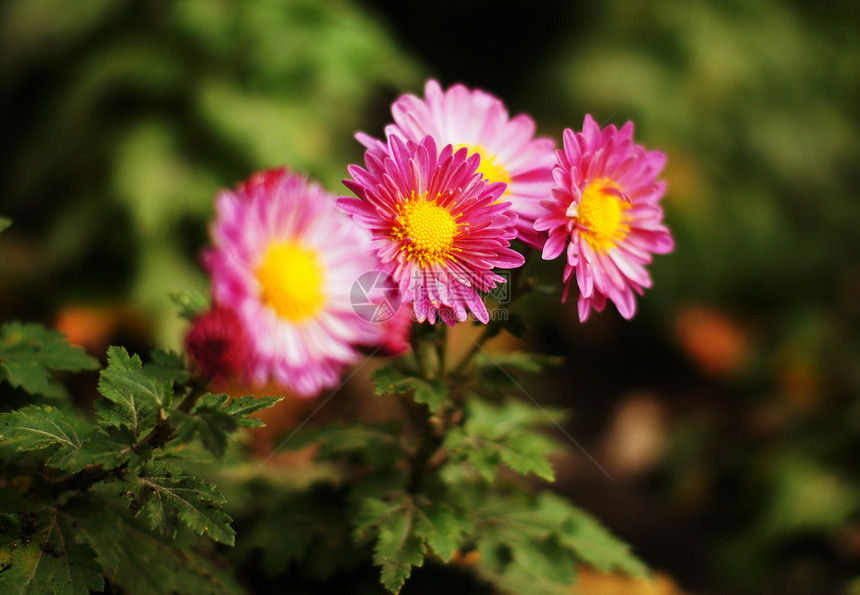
[[455, 479], [87, 501]]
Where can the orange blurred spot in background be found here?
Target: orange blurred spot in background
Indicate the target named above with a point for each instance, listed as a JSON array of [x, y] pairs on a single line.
[[718, 345], [592, 582], [94, 327], [635, 440]]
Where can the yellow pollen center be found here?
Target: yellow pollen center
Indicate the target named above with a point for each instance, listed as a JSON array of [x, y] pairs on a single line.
[[426, 231], [601, 216], [291, 279], [489, 166]]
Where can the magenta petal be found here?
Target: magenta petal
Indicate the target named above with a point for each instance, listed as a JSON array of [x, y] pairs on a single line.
[[584, 306], [553, 247]]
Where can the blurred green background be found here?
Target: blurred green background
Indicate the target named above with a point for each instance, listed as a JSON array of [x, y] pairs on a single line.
[[728, 410]]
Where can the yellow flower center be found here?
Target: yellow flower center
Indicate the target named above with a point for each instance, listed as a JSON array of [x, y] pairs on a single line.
[[291, 279], [426, 230], [601, 214], [489, 166]]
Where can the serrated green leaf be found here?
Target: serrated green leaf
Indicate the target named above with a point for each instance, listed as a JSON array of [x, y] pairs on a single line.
[[593, 543], [38, 427], [493, 435], [41, 429], [404, 528], [549, 535], [5, 222], [439, 527], [240, 408], [29, 351], [546, 559], [389, 380], [165, 495], [146, 564], [513, 548], [128, 415], [132, 396], [215, 418], [191, 303], [44, 557], [62, 440], [209, 422], [167, 366], [398, 549]]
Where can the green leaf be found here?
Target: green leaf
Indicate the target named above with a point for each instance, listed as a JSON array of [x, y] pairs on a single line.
[[41, 429], [191, 303], [146, 564], [439, 526], [209, 422], [375, 444], [5, 222], [389, 380], [166, 495], [131, 396], [514, 550], [596, 546], [64, 441], [241, 407], [40, 554], [494, 435], [29, 351], [215, 419], [404, 527], [545, 536], [397, 548], [168, 366]]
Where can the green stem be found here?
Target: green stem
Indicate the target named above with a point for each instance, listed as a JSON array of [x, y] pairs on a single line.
[[417, 346], [429, 437]]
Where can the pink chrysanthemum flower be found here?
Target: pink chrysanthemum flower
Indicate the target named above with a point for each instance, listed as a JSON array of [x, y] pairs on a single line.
[[479, 122], [604, 210], [284, 259], [438, 227]]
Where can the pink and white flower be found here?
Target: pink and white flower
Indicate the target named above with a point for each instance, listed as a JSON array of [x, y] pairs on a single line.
[[284, 259], [479, 122], [604, 214], [437, 225]]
